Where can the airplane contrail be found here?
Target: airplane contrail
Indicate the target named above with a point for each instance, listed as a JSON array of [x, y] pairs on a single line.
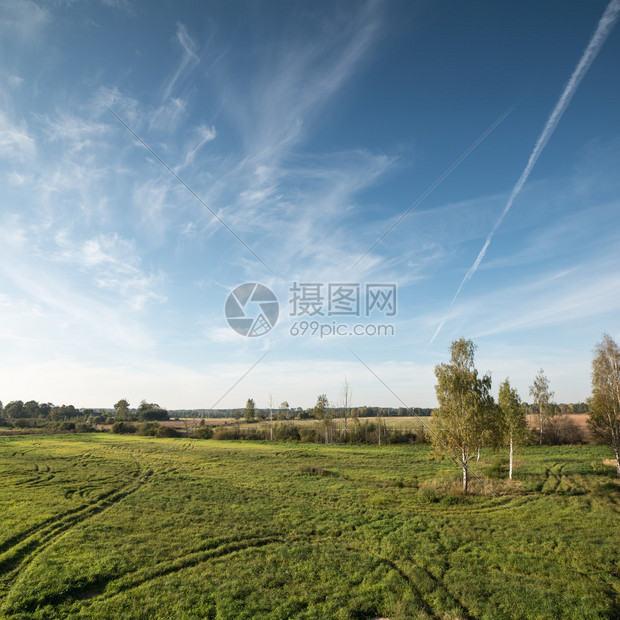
[[605, 26]]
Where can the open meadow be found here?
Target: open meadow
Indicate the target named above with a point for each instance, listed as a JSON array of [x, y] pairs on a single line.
[[103, 526]]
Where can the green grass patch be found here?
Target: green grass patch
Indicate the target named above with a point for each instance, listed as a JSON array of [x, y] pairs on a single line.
[[103, 526]]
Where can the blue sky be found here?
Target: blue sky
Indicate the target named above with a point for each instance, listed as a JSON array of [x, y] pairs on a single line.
[[309, 129]]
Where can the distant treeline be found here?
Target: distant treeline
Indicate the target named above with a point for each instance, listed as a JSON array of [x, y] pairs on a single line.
[[32, 414], [299, 413]]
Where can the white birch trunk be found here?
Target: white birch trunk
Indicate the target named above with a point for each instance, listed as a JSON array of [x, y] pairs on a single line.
[[464, 463]]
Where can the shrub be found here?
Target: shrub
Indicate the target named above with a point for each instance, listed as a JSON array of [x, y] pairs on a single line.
[[202, 432], [23, 423], [394, 436], [148, 429], [227, 432], [123, 428], [254, 434], [83, 427], [427, 495], [308, 434], [362, 433], [167, 431], [562, 431], [286, 432], [498, 470]]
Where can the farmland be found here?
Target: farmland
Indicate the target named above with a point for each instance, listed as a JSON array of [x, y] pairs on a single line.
[[103, 526], [410, 423]]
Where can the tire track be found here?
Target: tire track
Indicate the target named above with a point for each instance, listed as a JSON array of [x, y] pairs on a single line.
[[57, 518], [424, 576], [107, 588], [25, 547]]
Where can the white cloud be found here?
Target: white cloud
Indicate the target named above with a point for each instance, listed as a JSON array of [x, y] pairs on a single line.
[[189, 58], [200, 136], [583, 292], [287, 94], [22, 18], [126, 107], [15, 80], [15, 141], [115, 265], [168, 115], [75, 131]]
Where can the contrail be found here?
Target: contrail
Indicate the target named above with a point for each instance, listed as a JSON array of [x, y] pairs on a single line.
[[605, 26]]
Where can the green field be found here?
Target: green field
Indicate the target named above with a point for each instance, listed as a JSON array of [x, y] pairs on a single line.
[[105, 526]]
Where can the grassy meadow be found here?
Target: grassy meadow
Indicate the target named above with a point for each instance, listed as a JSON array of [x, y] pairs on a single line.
[[103, 526]]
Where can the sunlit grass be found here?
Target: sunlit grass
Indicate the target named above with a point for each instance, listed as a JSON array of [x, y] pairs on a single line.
[[246, 530]]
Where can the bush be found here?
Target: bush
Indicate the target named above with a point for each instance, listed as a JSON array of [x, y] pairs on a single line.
[[202, 432], [167, 431], [286, 432], [561, 431], [83, 427], [394, 436], [254, 434], [123, 428], [227, 432], [234, 432], [362, 433], [148, 429], [23, 423], [427, 495], [498, 470], [308, 434]]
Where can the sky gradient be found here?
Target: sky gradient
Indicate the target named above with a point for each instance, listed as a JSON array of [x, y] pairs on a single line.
[[156, 155]]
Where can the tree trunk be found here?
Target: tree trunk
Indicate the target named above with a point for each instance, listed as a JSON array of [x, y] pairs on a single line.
[[511, 451], [541, 428], [464, 463], [617, 461], [478, 457]]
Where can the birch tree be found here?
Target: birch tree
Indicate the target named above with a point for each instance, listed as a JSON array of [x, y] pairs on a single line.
[[323, 413], [514, 422], [345, 396], [604, 420], [457, 426], [542, 396], [249, 412]]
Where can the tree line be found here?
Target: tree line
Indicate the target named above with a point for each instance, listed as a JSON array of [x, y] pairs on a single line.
[[32, 414]]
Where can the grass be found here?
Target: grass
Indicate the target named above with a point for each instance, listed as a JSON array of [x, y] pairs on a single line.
[[258, 530]]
